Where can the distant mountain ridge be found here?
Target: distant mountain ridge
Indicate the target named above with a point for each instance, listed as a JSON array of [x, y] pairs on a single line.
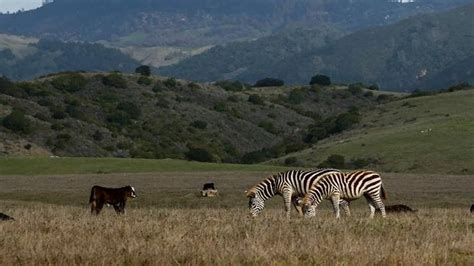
[[402, 56], [190, 23]]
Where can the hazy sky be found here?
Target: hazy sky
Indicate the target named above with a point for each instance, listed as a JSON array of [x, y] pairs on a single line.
[[15, 5]]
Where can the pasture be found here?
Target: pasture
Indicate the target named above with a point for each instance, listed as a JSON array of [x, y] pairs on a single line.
[[168, 223]]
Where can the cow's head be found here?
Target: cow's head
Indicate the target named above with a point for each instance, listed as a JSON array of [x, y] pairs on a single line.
[[131, 192]]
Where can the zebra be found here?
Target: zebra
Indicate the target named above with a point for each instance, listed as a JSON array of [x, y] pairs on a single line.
[[347, 186], [290, 185]]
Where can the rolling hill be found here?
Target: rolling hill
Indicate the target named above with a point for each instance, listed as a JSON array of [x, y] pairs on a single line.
[[24, 58], [114, 114], [403, 56], [430, 134]]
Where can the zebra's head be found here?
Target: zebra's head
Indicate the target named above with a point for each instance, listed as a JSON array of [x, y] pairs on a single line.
[[256, 204], [309, 210]]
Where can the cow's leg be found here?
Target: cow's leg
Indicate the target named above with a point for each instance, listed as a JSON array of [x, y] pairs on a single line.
[[117, 209], [93, 206], [98, 208]]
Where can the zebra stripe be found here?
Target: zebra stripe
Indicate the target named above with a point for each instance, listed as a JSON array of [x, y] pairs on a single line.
[[290, 185], [348, 186]]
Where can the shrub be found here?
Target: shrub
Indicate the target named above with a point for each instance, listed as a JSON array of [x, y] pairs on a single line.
[[458, 87], [71, 82], [146, 81], [130, 108], [355, 90], [199, 124], [119, 118], [333, 161], [256, 99], [59, 115], [231, 85], [193, 86], [255, 157], [199, 154], [98, 136], [233, 98], [296, 96], [269, 82], [316, 133], [220, 107], [291, 161], [17, 122], [346, 120], [170, 82], [114, 80], [373, 87], [158, 87], [143, 70], [322, 80], [163, 103], [268, 126]]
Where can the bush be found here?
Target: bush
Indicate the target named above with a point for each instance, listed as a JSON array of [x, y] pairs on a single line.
[[320, 80], [231, 85], [69, 82], [114, 80], [98, 136], [333, 161], [199, 124], [146, 81], [269, 82], [220, 107], [143, 70], [316, 133], [256, 99], [291, 161], [296, 96], [268, 126], [199, 154], [355, 90], [130, 108], [255, 157], [17, 122], [59, 115], [373, 87], [170, 82], [119, 118]]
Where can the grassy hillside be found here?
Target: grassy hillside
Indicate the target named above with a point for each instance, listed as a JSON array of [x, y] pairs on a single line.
[[403, 56], [430, 134], [69, 166], [113, 114]]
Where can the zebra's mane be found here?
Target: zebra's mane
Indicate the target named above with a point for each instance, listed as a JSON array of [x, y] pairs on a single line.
[[253, 190]]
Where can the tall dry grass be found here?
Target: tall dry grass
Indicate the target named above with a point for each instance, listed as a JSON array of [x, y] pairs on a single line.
[[62, 235]]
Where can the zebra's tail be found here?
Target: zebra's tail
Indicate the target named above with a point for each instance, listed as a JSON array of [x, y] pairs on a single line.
[[383, 194]]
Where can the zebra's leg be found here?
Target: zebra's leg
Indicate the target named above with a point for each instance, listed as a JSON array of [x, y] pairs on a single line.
[[345, 206], [379, 203], [296, 203], [335, 198], [371, 205], [287, 193]]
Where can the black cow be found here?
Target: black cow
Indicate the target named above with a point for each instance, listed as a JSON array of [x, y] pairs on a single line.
[[472, 208], [4, 217], [117, 197], [208, 186]]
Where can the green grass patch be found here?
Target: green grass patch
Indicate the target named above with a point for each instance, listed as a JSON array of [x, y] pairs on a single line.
[[57, 166]]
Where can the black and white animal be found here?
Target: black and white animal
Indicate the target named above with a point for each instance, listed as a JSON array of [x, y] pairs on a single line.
[[348, 186], [290, 185], [208, 186], [117, 197], [4, 217]]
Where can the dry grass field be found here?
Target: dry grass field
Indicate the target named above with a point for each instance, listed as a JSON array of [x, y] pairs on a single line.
[[169, 224]]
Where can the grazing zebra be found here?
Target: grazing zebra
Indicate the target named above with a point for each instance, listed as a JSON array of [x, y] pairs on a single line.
[[290, 185], [347, 186]]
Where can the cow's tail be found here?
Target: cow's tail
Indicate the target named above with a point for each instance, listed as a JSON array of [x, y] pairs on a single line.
[[92, 198], [382, 192]]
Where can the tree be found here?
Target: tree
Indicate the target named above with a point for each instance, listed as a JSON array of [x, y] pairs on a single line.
[[199, 154], [17, 122], [143, 70], [322, 80], [269, 82]]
